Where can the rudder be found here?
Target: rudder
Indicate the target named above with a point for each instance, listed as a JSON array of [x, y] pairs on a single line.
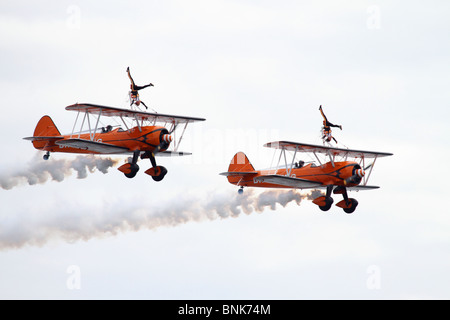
[[46, 128], [240, 163]]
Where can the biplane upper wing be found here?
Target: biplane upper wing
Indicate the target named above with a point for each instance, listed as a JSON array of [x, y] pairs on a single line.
[[94, 146], [304, 147], [138, 115], [289, 181]]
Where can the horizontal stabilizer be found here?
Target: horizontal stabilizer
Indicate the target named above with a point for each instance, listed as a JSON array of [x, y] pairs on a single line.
[[44, 138], [94, 146]]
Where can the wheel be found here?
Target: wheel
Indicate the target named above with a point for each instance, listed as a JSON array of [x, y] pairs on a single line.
[[46, 156], [353, 206], [241, 191], [134, 168], [162, 173], [328, 203]]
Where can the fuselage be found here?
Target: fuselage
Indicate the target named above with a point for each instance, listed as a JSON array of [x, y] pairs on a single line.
[[145, 138], [339, 174]]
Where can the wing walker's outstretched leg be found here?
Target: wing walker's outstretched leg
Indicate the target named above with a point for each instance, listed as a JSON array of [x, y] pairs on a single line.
[[134, 95], [326, 129]]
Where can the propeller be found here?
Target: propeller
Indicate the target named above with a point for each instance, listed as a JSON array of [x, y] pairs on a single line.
[[165, 140], [358, 174]]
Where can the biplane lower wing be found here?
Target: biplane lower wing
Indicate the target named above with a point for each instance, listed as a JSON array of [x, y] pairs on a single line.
[[93, 146], [361, 188], [302, 183], [289, 181], [237, 173], [173, 153]]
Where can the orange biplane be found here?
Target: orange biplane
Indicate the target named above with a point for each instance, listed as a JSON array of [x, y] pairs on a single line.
[[335, 176], [142, 137]]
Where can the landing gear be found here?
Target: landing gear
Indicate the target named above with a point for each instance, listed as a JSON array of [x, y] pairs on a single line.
[[325, 202], [328, 203], [241, 190], [131, 168], [157, 172], [353, 204], [46, 156], [348, 204]]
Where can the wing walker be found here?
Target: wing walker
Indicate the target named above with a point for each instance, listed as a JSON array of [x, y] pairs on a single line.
[[336, 170], [144, 135]]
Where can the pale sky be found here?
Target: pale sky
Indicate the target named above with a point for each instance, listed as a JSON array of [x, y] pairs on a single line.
[[257, 71]]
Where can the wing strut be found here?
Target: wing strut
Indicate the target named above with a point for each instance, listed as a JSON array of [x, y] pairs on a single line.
[[315, 155], [76, 120], [366, 179], [96, 125], [181, 137]]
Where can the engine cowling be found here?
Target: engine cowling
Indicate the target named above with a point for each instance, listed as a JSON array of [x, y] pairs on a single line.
[[357, 174]]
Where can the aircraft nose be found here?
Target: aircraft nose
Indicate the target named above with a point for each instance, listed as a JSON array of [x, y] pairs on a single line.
[[167, 138], [361, 173]]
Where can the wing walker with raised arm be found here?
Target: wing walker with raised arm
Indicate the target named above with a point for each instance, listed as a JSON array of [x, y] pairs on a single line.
[[337, 170], [143, 135]]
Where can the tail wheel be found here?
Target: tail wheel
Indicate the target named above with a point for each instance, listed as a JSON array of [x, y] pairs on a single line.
[[328, 203], [353, 205]]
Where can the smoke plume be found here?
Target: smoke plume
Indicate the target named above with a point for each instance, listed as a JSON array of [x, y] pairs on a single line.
[[39, 171], [119, 216]]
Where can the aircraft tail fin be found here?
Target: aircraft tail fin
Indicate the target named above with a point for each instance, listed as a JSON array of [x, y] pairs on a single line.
[[46, 128], [239, 168], [45, 133], [240, 163]]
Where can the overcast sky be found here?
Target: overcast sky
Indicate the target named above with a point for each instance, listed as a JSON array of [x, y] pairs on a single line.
[[257, 71]]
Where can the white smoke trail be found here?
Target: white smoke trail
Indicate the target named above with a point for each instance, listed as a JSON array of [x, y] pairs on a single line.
[[119, 216], [39, 171]]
